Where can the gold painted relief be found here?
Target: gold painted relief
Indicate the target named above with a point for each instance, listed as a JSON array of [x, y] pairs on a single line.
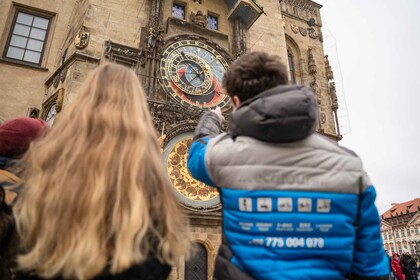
[[181, 177]]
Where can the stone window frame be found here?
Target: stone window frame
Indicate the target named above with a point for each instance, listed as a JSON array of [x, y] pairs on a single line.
[[211, 16], [179, 4], [9, 29], [292, 70], [293, 48]]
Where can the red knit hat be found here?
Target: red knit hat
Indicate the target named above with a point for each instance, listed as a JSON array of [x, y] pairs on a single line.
[[17, 134]]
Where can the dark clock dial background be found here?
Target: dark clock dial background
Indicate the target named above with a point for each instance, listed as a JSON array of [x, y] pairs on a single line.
[[176, 60]]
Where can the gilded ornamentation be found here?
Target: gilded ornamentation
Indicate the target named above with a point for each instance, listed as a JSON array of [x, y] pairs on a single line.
[[294, 28], [181, 177], [81, 40], [303, 31]]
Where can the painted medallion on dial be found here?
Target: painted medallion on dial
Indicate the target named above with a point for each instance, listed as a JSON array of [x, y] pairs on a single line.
[[181, 177]]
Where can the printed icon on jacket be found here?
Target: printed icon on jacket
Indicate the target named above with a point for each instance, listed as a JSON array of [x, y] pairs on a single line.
[[264, 204], [304, 205], [323, 205], [245, 204], [284, 204]]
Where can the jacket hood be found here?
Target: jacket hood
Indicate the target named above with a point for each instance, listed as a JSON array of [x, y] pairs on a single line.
[[285, 113]]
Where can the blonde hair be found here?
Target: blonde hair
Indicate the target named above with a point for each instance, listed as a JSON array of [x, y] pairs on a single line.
[[96, 195]]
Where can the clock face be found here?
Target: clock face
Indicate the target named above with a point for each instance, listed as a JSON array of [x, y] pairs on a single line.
[[51, 115], [192, 73], [189, 191]]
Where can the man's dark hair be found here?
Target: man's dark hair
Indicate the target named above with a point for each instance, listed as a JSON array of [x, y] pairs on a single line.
[[253, 73]]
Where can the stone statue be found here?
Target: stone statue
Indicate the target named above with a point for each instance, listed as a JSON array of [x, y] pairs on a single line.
[[333, 95], [311, 63], [199, 18], [328, 70], [154, 40]]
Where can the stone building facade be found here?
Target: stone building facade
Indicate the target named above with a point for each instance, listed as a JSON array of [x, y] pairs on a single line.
[[400, 227], [48, 47]]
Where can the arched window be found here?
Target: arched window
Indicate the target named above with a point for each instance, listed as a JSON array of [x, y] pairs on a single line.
[[294, 61], [291, 66], [196, 267]]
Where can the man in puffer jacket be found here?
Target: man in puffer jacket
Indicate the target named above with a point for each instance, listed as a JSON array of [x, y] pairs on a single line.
[[295, 205]]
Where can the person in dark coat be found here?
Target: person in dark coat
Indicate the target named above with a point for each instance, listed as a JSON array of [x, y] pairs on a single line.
[[408, 266], [15, 138]]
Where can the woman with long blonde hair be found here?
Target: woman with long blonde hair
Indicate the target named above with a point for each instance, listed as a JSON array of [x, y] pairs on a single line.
[[96, 202]]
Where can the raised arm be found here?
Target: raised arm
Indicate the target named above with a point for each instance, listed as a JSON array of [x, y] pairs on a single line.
[[208, 127]]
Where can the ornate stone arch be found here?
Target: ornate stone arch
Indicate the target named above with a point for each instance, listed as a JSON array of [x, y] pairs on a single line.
[[203, 259], [294, 60]]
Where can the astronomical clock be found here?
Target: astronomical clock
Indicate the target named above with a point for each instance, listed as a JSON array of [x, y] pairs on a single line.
[[191, 71]]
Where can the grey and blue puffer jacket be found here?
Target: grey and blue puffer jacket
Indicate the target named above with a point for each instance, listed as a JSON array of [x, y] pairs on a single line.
[[295, 205]]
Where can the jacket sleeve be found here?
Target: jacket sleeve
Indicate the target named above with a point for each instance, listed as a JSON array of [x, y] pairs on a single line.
[[369, 260], [207, 128]]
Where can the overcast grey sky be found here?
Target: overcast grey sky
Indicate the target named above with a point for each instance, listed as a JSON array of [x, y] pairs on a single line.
[[374, 47]]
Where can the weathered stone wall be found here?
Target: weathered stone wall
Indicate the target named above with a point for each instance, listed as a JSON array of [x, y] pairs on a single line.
[[23, 86], [267, 33]]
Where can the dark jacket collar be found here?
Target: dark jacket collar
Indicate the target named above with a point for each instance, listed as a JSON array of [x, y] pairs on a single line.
[[285, 113]]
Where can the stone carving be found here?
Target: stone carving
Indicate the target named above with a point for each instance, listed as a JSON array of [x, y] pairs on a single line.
[[199, 19], [311, 63], [131, 55], [323, 118], [155, 40], [239, 38], [156, 12], [60, 100], [33, 112], [333, 96], [294, 28], [328, 71], [303, 31], [306, 6], [315, 88], [321, 37], [312, 33], [81, 40], [63, 74], [56, 81]]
